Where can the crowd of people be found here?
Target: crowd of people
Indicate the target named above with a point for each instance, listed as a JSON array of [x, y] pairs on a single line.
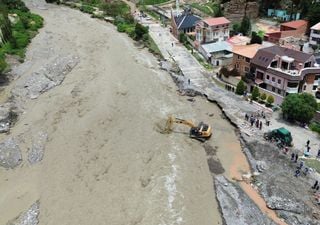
[[255, 119]]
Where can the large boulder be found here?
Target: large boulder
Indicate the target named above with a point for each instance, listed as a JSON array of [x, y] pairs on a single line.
[[235, 9]]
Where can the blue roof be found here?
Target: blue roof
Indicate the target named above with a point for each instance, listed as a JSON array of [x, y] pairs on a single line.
[[217, 47], [186, 21]]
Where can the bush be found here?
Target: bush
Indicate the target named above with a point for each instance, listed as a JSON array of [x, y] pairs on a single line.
[[183, 38], [241, 87], [270, 100], [140, 30], [255, 38], [315, 127], [87, 9], [115, 8], [263, 96], [255, 93]]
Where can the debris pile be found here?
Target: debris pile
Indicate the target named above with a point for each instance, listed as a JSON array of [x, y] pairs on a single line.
[[236, 206], [46, 78]]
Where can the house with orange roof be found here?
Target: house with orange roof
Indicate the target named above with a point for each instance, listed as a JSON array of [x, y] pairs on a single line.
[[296, 29], [315, 34], [242, 56], [212, 30]]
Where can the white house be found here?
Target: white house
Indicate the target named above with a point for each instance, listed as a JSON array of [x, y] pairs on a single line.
[[212, 30], [315, 35]]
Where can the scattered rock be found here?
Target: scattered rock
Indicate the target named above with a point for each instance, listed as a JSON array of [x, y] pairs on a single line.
[[7, 117], [261, 166], [36, 153], [46, 78], [236, 206], [10, 154], [29, 217]]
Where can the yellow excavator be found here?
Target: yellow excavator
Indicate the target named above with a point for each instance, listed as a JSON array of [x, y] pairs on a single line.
[[202, 132]]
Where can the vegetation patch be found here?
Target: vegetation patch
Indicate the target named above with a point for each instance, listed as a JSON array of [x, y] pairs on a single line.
[[151, 2], [210, 8], [18, 32]]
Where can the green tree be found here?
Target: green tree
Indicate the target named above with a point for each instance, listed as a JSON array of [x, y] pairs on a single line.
[[255, 38], [245, 25], [299, 107], [263, 96], [236, 27], [255, 93], [140, 30], [183, 38], [314, 14], [270, 100], [218, 12], [241, 87]]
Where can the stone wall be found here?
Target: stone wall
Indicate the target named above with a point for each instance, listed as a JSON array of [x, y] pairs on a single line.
[[234, 10]]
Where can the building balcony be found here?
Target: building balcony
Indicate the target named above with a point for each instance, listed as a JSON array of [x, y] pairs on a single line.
[[292, 90]]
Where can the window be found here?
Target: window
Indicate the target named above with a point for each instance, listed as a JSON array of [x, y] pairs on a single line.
[[237, 66], [279, 81], [279, 91], [268, 77], [307, 64], [247, 60], [314, 87], [273, 79], [304, 87], [317, 77], [238, 56], [273, 89], [274, 64]]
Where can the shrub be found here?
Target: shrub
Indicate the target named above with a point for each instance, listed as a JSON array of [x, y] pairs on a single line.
[[270, 100], [87, 9], [140, 30], [315, 127], [263, 96], [241, 87], [255, 93], [183, 38]]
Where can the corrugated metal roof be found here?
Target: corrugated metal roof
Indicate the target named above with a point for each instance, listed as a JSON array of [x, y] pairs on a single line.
[[217, 47]]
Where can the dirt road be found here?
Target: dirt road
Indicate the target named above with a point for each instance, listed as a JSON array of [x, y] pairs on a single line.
[[105, 161]]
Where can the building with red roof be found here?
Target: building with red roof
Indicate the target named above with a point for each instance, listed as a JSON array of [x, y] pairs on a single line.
[[212, 30], [296, 29]]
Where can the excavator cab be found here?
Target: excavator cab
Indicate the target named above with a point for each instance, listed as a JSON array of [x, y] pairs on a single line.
[[202, 132]]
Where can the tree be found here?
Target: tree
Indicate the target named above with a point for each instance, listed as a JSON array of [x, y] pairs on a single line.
[[218, 12], [183, 38], [245, 26], [263, 96], [299, 107], [241, 87], [139, 31], [236, 27], [314, 14], [270, 100], [255, 38], [255, 93]]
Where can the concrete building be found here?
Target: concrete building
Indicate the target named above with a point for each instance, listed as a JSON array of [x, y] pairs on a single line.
[[239, 40], [212, 30], [280, 71], [218, 53], [242, 56], [315, 34]]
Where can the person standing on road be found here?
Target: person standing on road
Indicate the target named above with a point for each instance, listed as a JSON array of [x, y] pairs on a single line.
[[318, 155], [292, 156], [315, 184], [308, 142], [260, 125], [296, 158], [188, 81]]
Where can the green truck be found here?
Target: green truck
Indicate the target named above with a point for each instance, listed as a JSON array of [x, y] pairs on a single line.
[[281, 135]]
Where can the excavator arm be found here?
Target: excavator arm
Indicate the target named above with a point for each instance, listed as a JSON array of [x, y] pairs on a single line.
[[171, 120]]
